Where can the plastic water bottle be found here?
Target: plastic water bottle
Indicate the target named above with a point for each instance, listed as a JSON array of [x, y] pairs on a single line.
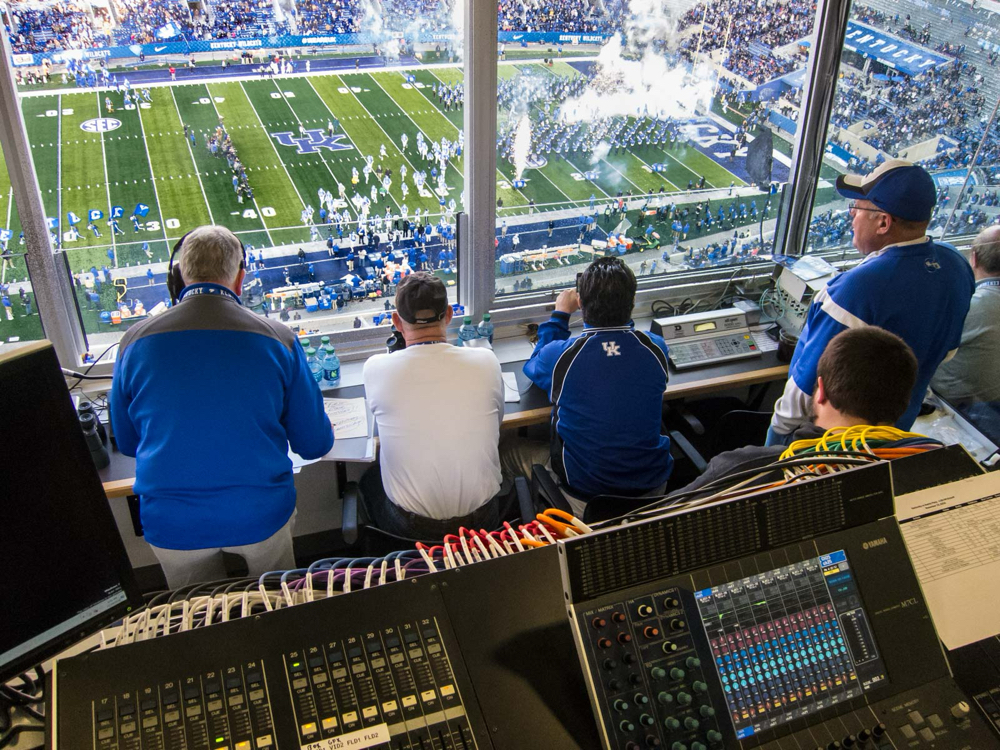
[[315, 366], [305, 343], [467, 331], [324, 342], [485, 329], [331, 368]]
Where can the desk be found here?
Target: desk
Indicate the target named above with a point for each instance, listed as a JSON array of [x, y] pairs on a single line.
[[534, 406]]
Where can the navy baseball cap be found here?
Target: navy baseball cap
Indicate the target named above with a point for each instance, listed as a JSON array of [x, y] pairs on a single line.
[[898, 187]]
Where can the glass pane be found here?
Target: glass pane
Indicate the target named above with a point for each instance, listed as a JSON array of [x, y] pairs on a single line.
[[340, 170], [915, 83], [665, 142], [19, 318]]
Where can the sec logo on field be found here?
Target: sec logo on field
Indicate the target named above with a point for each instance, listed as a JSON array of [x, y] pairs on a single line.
[[101, 125]]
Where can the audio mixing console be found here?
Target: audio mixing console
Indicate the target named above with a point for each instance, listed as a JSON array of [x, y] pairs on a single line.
[[716, 630]]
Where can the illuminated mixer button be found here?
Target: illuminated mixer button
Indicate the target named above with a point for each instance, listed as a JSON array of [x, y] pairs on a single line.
[[714, 736], [693, 662], [699, 686], [707, 712], [598, 622], [684, 699], [651, 632], [669, 647], [677, 624], [671, 723], [645, 610], [618, 617], [640, 700], [610, 664], [658, 673], [624, 638], [676, 674], [647, 720], [604, 643], [665, 698], [626, 726], [620, 705], [691, 723]]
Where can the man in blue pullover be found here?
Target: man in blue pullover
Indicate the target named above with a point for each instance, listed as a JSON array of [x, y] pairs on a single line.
[[907, 283], [606, 386], [208, 397]]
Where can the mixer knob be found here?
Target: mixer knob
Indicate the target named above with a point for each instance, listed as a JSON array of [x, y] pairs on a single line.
[[960, 711], [658, 673], [834, 746], [624, 638], [650, 632], [693, 662], [599, 622], [640, 699], [714, 736], [665, 698], [615, 685], [647, 720], [691, 723], [677, 624], [700, 687], [645, 610], [684, 699], [850, 741], [864, 735], [610, 664], [618, 617], [635, 679], [628, 657], [620, 705], [678, 746], [626, 726], [652, 741], [604, 643], [671, 603], [671, 723], [698, 746], [707, 711], [632, 746], [676, 674], [879, 730], [669, 647]]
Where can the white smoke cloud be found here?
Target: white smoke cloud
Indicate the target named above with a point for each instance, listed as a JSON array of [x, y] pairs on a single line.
[[522, 146]]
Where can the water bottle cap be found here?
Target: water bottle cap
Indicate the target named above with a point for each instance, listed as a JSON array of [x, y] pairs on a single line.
[[325, 340], [305, 343], [310, 352], [467, 320], [486, 316], [330, 349]]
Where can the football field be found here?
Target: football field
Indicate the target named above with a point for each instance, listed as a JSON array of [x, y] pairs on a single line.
[[88, 157]]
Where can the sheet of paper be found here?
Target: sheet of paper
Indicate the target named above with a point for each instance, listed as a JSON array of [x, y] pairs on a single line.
[[349, 417], [510, 392], [952, 533]]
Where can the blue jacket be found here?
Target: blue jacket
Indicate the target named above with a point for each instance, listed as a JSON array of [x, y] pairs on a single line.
[[606, 387], [208, 396], [920, 291]]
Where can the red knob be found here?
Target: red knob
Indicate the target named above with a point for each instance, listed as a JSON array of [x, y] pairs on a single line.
[[650, 632], [599, 622], [604, 643], [624, 638]]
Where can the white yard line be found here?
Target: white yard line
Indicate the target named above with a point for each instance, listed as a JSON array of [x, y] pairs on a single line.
[[152, 174], [107, 182], [194, 163]]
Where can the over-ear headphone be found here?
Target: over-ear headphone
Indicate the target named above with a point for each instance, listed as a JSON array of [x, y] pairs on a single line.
[[175, 282]]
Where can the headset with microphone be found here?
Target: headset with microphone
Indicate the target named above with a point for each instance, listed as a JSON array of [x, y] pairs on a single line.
[[175, 282]]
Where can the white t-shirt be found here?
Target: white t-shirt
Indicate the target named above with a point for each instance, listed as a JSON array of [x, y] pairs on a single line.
[[439, 409]]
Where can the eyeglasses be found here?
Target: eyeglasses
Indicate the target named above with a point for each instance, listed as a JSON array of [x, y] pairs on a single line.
[[853, 206]]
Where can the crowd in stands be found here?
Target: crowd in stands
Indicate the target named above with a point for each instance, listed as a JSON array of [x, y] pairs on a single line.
[[723, 23], [246, 18], [330, 16], [140, 23], [61, 25], [552, 15]]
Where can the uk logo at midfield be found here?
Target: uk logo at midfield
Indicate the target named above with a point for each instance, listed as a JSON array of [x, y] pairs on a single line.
[[101, 125], [315, 140]]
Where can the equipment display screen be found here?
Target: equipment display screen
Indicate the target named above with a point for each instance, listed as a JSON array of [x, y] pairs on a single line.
[[707, 326], [790, 642]]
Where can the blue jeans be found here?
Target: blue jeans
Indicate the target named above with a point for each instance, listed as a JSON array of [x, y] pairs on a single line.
[[776, 438]]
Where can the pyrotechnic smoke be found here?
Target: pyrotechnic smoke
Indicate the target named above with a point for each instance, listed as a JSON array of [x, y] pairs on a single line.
[[600, 151], [522, 146]]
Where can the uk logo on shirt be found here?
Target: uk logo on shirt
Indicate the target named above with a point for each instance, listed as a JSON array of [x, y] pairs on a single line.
[[612, 349]]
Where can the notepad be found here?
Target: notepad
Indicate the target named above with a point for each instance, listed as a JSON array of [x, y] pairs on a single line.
[[348, 416], [510, 392]]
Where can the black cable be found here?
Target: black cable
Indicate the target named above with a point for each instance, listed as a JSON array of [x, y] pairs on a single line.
[[85, 374]]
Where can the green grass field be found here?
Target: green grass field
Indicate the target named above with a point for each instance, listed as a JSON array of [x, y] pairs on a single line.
[[148, 160]]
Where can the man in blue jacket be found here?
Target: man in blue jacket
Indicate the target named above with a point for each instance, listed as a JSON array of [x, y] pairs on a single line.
[[907, 283], [606, 386], [208, 397]]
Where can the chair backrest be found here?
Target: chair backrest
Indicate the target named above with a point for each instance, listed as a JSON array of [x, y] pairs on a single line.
[[739, 428], [603, 507]]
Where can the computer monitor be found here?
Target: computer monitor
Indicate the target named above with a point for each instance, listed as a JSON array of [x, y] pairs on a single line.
[[64, 573]]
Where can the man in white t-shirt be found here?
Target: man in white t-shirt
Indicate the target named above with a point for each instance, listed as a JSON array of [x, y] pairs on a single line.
[[439, 409]]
